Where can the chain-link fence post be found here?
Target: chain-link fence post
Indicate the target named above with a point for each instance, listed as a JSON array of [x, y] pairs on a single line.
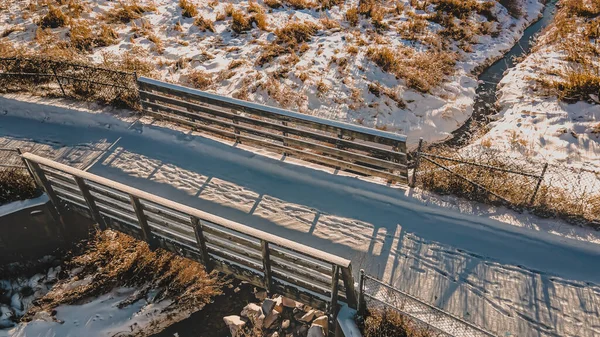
[[360, 310], [59, 83], [539, 183], [413, 183]]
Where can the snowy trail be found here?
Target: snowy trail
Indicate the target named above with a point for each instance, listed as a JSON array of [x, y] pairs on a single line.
[[517, 279]]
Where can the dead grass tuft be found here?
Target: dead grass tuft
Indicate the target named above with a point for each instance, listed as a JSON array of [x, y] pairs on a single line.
[[390, 323], [200, 79], [125, 12], [54, 18], [16, 184], [291, 38], [204, 24], [422, 71], [188, 9]]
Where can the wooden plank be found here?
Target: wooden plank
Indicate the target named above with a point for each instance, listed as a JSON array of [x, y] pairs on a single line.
[[266, 260], [232, 237], [308, 285], [354, 131], [184, 229], [402, 176], [299, 295], [283, 127], [142, 221], [231, 258], [240, 273], [335, 148], [233, 248], [301, 261], [102, 190], [293, 269]]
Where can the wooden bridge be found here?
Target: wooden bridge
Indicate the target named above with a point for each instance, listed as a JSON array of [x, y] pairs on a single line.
[[313, 277]]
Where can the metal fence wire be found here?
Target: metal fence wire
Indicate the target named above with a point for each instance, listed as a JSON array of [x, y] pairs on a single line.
[[378, 298], [495, 177], [40, 76]]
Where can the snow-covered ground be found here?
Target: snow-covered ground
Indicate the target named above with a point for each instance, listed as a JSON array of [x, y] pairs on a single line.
[[318, 84], [514, 274], [535, 125]]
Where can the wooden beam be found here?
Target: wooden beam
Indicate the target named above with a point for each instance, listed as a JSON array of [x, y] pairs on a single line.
[[349, 285], [266, 259], [143, 222], [94, 211], [201, 242], [334, 292]]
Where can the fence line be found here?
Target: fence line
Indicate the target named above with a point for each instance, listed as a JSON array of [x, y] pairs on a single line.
[[302, 273], [375, 295]]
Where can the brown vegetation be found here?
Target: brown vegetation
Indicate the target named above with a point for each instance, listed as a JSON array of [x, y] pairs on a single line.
[[200, 79], [16, 184], [204, 24], [188, 9], [112, 260], [290, 39], [54, 18], [390, 323], [125, 12], [422, 71]]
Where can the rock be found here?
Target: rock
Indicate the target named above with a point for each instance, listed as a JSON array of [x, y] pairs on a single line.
[[322, 321], [319, 313], [301, 331], [15, 301], [278, 304], [315, 331], [301, 306], [288, 303], [235, 324], [261, 295], [308, 316], [270, 318], [285, 324], [268, 305], [275, 334], [253, 312]]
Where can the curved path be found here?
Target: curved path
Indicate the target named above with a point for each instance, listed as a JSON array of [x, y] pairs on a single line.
[[513, 277]]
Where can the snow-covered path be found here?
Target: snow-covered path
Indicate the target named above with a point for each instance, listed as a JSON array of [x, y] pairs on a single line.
[[517, 277]]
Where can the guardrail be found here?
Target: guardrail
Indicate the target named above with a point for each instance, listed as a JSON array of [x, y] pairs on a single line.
[[345, 146], [267, 261]]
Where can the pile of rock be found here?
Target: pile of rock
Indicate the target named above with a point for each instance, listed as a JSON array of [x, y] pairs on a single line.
[[278, 317]]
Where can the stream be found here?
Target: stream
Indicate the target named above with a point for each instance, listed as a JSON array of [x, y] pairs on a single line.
[[485, 99]]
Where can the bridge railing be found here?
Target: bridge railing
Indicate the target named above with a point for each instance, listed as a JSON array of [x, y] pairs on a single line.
[[348, 147], [281, 266]]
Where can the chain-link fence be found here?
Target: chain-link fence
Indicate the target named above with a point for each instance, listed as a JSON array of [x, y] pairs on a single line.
[[386, 308], [16, 183], [494, 177], [40, 76]]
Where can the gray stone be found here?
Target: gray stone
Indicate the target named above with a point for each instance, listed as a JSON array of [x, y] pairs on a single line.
[[288, 303], [308, 317], [315, 331], [253, 312], [285, 324], [268, 305], [261, 295]]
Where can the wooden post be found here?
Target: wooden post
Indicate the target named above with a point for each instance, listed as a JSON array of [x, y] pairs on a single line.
[[413, 183], [139, 212], [59, 84], [335, 278], [56, 208], [266, 265], [539, 183], [349, 284], [201, 242], [26, 165], [89, 199], [361, 293]]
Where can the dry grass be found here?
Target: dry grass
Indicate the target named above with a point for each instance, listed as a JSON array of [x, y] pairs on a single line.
[[200, 79], [54, 18], [112, 260], [291, 39], [204, 24], [16, 184], [188, 9], [576, 35], [389, 323], [352, 16], [125, 12], [240, 22], [422, 71], [273, 3], [513, 7]]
